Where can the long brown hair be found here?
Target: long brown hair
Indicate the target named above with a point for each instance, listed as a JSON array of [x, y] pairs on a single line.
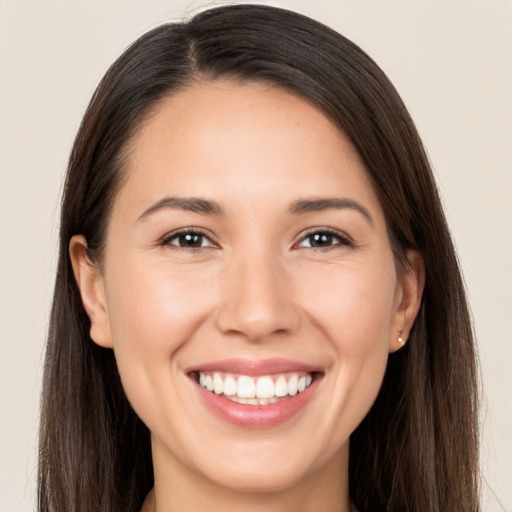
[[417, 449]]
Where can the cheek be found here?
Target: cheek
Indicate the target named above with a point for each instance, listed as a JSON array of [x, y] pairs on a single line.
[[354, 309], [152, 315], [353, 305], [155, 308]]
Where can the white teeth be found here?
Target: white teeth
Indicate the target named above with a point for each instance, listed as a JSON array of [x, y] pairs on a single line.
[[265, 387], [252, 390], [218, 384], [281, 387], [246, 401], [246, 387], [292, 385], [229, 386], [209, 383]]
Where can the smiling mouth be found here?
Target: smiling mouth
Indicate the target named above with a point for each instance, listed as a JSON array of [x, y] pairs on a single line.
[[252, 390]]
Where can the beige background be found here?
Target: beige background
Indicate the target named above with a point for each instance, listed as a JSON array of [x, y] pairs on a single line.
[[451, 61]]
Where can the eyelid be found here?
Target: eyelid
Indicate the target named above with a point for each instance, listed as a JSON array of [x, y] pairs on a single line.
[[344, 238], [165, 240]]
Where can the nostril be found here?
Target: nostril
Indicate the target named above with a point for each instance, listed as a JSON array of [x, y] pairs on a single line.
[[258, 321], [257, 298]]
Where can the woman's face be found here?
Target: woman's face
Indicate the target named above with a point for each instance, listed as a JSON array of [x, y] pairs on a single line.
[[246, 251]]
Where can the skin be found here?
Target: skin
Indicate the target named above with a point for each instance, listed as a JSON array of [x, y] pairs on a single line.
[[255, 289]]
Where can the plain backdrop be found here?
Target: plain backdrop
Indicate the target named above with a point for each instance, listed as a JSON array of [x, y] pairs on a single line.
[[450, 60]]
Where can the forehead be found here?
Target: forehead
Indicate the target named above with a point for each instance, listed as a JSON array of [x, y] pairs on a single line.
[[240, 141]]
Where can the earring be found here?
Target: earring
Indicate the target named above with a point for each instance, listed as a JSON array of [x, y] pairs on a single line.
[[400, 339]]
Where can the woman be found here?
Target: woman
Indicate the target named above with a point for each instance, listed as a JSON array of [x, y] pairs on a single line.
[[258, 305]]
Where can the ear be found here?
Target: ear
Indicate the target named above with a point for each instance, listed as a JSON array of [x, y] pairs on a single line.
[[407, 299], [90, 283]]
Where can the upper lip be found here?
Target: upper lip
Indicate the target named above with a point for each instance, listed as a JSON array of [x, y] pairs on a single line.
[[254, 367]]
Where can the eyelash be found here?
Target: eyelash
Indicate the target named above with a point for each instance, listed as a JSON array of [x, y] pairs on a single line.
[[343, 240], [166, 241]]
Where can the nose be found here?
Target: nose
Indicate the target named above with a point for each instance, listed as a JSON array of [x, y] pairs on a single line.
[[257, 299]]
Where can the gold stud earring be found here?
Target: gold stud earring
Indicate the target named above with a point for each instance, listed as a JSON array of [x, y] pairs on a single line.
[[400, 339]]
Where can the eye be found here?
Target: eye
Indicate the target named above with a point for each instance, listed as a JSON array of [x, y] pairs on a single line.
[[324, 239], [188, 239]]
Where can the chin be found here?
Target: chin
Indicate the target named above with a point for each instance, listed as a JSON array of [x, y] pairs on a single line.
[[269, 469], [259, 480]]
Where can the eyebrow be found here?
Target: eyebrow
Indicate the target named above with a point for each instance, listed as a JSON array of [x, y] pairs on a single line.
[[189, 204], [299, 207], [317, 205]]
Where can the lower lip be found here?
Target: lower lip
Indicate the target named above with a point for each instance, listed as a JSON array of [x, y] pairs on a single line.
[[256, 416]]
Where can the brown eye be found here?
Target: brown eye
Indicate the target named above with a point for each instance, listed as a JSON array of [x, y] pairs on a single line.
[[188, 240], [323, 240]]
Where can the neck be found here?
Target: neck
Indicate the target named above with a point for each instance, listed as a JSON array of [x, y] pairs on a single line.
[[178, 488]]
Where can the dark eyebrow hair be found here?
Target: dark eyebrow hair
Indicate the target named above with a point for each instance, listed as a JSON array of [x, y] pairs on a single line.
[[208, 207], [317, 205], [190, 204]]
